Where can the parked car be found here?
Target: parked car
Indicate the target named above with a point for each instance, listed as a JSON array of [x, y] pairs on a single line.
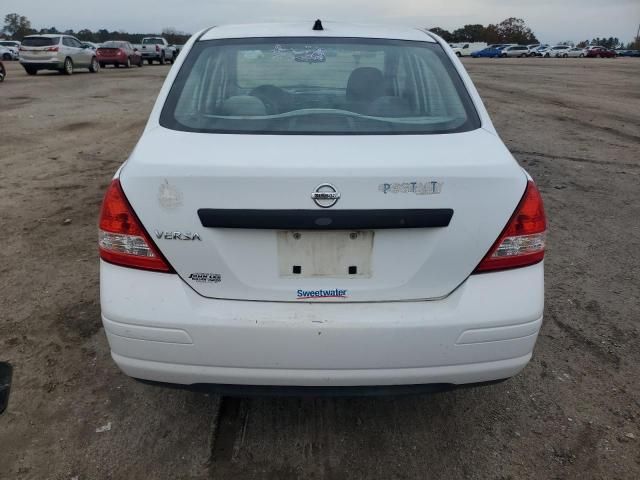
[[240, 245], [515, 51], [631, 53], [10, 43], [553, 52], [532, 47], [7, 54], [534, 50], [3, 72], [157, 49], [56, 52], [9, 50], [599, 52], [574, 52], [118, 53], [466, 49], [488, 52]]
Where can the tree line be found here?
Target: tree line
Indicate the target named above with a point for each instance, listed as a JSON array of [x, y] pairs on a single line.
[[515, 30], [17, 27], [511, 30]]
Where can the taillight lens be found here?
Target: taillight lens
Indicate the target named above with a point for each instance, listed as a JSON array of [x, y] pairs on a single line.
[[522, 242], [122, 238], [51, 49], [157, 48]]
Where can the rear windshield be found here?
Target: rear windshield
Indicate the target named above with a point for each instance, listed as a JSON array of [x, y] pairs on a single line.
[[151, 41], [40, 41], [113, 44], [318, 86]]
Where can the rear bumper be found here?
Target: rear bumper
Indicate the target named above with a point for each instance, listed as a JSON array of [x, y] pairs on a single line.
[[161, 330], [112, 59], [53, 64]]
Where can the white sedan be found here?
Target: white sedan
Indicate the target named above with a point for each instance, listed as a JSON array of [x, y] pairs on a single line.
[[348, 221]]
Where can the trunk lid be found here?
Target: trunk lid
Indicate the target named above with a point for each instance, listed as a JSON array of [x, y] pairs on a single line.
[[171, 176]]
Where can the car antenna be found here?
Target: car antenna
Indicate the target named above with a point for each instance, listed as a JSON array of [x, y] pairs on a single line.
[[318, 26]]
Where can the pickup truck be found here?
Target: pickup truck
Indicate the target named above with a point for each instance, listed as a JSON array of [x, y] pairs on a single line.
[[157, 49]]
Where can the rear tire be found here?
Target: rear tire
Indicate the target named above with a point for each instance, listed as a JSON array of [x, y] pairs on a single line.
[[458, 54], [67, 67], [565, 56], [6, 57], [128, 64], [101, 64], [149, 61], [94, 67], [162, 59], [140, 63], [31, 70]]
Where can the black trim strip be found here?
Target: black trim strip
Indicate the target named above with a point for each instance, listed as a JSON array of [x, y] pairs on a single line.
[[325, 219]]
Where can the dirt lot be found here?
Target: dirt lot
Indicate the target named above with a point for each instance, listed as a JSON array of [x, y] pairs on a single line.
[[573, 413]]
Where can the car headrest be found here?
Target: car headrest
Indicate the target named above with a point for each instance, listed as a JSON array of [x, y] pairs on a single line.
[[243, 106], [365, 84]]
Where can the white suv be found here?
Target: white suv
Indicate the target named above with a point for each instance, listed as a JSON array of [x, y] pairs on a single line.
[[326, 207], [56, 52]]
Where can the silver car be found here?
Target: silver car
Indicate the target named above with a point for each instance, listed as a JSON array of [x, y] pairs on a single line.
[[515, 51], [56, 52]]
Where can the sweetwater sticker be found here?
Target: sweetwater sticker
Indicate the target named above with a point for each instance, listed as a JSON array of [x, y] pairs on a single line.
[[308, 294]]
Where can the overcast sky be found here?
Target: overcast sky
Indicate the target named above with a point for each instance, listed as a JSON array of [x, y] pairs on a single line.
[[551, 20]]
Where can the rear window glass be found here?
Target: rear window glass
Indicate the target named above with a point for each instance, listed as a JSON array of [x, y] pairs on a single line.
[[40, 41], [114, 44], [318, 86], [151, 41]]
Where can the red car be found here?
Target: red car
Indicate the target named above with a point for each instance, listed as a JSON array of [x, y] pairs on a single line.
[[600, 52], [118, 53]]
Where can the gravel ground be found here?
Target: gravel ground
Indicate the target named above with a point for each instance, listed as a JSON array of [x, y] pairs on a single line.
[[573, 412]]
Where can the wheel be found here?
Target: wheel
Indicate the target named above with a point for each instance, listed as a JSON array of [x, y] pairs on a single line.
[[162, 60], [67, 68], [128, 64], [101, 64], [6, 56], [3, 73], [116, 65], [565, 56], [149, 61], [581, 55], [140, 63], [458, 54], [94, 67], [31, 70], [504, 55]]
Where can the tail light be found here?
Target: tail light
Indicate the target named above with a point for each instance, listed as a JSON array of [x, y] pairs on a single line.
[[122, 238], [51, 49], [522, 242], [157, 48]]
